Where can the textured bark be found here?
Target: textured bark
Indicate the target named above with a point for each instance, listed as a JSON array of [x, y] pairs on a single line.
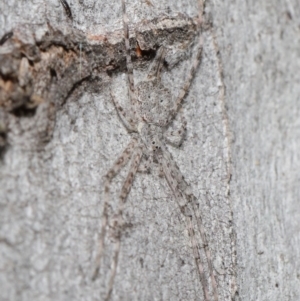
[[59, 135], [260, 55]]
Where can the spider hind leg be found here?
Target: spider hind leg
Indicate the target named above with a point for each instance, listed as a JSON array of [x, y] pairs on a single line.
[[136, 159], [118, 165]]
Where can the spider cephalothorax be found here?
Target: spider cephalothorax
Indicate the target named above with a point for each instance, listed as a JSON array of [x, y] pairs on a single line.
[[155, 102]]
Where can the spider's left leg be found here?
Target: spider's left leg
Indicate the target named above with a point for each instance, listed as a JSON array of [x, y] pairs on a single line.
[[137, 156], [118, 165]]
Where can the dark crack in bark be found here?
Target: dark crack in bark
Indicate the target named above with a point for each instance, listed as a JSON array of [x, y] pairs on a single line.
[[44, 66]]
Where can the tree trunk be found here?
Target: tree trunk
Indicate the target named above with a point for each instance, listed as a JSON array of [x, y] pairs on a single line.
[[60, 134]]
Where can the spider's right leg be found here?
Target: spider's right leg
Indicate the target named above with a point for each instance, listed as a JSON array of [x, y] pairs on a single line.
[[118, 165], [181, 191], [177, 184], [192, 199], [185, 89], [67, 9]]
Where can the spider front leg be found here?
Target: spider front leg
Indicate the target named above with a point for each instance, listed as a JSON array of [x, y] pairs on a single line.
[[129, 64], [185, 89], [128, 118], [118, 165]]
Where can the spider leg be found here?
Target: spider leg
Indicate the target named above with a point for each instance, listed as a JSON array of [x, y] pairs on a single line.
[[205, 243], [184, 90], [156, 66], [129, 64], [175, 137], [179, 187], [123, 196], [127, 118], [196, 254], [118, 165]]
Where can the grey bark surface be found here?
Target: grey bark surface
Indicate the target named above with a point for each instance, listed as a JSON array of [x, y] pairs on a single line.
[[260, 56], [240, 156]]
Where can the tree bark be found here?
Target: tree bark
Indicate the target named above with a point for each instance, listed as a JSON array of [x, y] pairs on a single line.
[[60, 134], [260, 57]]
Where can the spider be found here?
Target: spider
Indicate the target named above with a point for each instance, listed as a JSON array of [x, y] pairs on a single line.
[[153, 108]]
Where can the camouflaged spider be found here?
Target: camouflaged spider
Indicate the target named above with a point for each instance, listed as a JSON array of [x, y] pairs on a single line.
[[152, 110]]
